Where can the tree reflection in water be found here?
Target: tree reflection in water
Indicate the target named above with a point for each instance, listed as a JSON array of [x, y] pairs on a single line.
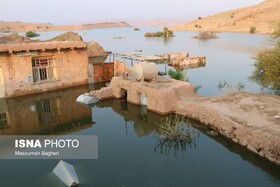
[[175, 134]]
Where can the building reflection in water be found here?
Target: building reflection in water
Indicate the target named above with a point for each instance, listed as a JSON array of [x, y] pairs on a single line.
[[143, 122], [58, 113], [54, 112], [3, 121], [173, 133], [48, 111]]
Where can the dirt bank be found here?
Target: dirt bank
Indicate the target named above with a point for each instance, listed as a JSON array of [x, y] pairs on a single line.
[[251, 120]]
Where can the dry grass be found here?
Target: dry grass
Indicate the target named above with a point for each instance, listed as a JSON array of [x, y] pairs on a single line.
[[261, 16]]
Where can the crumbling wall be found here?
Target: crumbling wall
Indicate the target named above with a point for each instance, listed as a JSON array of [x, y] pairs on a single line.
[[103, 72], [121, 68], [160, 96]]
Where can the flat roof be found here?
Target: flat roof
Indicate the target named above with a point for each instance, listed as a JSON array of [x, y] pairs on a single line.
[[34, 46], [140, 57]]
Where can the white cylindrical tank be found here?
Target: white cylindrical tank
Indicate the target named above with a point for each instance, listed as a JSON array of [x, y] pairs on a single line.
[[145, 70]]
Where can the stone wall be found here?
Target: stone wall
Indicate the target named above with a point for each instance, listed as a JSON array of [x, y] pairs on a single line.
[[121, 68]]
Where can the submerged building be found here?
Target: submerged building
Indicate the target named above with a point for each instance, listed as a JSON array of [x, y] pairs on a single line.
[[27, 68]]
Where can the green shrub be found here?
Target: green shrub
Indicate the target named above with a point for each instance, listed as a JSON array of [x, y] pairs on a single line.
[[176, 74], [253, 30], [136, 29], [267, 66], [267, 69], [31, 34]]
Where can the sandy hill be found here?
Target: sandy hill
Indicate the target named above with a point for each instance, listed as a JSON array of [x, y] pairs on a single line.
[[261, 16], [107, 25], [23, 27]]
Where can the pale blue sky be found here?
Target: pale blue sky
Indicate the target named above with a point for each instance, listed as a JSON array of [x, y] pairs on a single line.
[[76, 11]]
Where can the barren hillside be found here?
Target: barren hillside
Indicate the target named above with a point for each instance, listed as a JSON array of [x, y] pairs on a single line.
[[261, 16], [22, 27]]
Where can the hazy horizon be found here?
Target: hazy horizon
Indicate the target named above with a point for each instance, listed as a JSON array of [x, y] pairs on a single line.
[[74, 12]]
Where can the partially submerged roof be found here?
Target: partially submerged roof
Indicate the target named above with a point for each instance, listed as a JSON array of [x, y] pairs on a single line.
[[95, 50], [140, 57], [35, 46]]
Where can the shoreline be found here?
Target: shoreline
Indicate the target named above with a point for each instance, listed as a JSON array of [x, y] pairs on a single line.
[[240, 32], [255, 130], [249, 119]]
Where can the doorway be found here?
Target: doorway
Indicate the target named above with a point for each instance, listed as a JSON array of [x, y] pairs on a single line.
[[2, 86]]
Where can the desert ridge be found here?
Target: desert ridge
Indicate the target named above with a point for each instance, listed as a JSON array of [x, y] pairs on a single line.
[[259, 18], [24, 27]]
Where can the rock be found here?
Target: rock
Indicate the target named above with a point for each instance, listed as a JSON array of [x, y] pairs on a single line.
[[212, 133], [277, 117], [13, 38], [86, 99], [68, 36], [252, 148]]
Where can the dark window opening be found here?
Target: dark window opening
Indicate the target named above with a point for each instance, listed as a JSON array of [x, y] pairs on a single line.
[[47, 112], [3, 120], [42, 69]]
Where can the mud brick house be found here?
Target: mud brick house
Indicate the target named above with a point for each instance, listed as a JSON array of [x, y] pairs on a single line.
[[33, 67]]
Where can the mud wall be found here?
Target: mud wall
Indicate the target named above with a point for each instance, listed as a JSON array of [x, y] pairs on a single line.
[[70, 69]]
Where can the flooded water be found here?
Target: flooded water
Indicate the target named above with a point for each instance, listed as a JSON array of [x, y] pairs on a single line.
[[129, 149], [229, 58], [130, 154]]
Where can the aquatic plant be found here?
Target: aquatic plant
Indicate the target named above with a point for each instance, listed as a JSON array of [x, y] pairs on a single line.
[[267, 66], [175, 133], [206, 35], [166, 33], [31, 34], [197, 87], [234, 87]]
